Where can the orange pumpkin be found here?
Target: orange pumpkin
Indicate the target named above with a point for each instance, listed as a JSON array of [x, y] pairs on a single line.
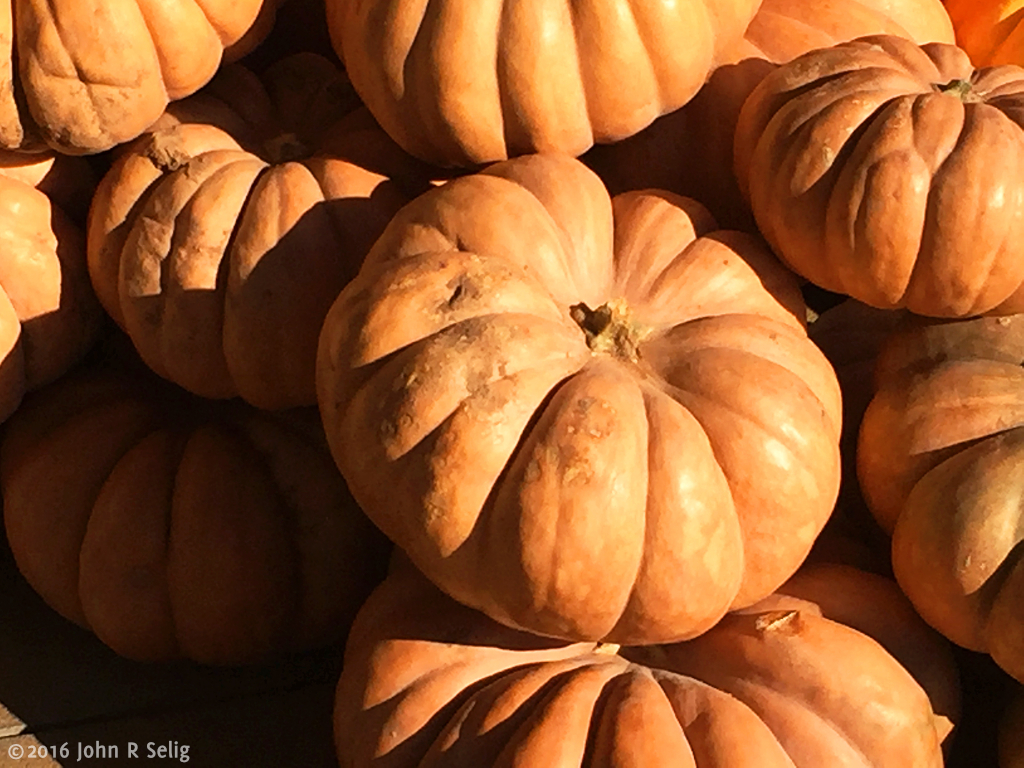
[[84, 75], [941, 463], [219, 240], [989, 30], [690, 151], [815, 675], [49, 316], [892, 173], [176, 527], [590, 419], [470, 83]]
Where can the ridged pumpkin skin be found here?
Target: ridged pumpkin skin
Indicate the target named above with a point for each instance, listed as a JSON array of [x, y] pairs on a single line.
[[989, 30], [219, 240], [892, 173], [787, 683], [573, 412], [84, 75], [941, 463], [175, 527], [690, 151], [49, 316], [459, 83]]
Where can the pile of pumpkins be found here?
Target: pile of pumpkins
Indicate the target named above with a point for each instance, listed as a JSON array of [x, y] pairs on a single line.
[[629, 382]]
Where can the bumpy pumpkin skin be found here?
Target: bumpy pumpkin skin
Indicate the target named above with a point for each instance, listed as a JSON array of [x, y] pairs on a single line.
[[892, 173], [175, 527], [82, 76], [49, 316], [690, 151], [565, 479], [428, 682], [989, 30], [219, 240], [941, 464], [470, 83]]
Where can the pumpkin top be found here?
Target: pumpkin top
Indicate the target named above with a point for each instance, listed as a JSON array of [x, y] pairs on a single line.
[[554, 350]]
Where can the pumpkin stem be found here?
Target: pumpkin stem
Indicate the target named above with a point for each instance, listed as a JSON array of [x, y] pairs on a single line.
[[776, 621], [959, 88], [284, 148], [609, 329]]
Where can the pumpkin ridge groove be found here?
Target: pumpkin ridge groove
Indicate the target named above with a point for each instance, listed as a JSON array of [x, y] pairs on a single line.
[[225, 266], [292, 512], [487, 516], [772, 693], [564, 241], [930, 217], [180, 441]]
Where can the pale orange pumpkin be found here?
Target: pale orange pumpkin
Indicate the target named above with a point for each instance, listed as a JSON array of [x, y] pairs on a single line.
[[49, 316], [218, 240], [892, 173], [690, 151], [470, 83], [833, 670], [84, 75], [941, 463], [591, 419], [175, 527]]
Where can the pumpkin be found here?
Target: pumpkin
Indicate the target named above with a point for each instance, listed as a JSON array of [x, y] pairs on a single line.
[[175, 527], [940, 461], [989, 30], [690, 151], [573, 412], [892, 173], [219, 240], [69, 182], [84, 75], [465, 84], [49, 316], [814, 675]]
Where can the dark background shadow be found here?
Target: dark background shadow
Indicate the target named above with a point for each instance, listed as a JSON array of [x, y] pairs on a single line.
[[59, 684]]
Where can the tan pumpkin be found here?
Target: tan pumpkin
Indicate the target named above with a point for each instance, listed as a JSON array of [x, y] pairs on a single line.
[[84, 75], [175, 527], [892, 173], [573, 412], [812, 676], [470, 83], [690, 151], [49, 316], [219, 240], [941, 463]]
